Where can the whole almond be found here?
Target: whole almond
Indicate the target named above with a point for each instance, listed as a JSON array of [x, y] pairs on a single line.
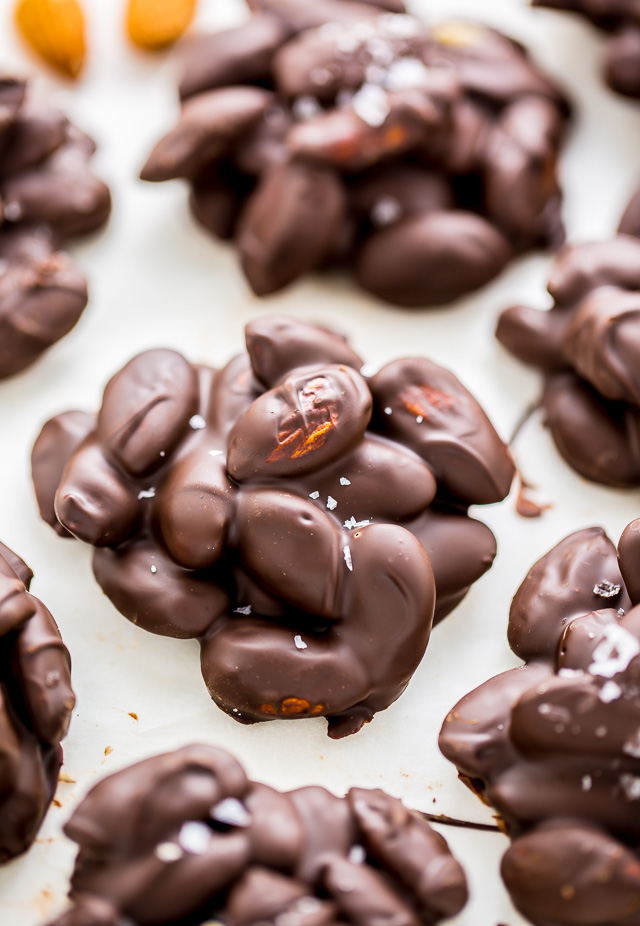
[[156, 23], [55, 30]]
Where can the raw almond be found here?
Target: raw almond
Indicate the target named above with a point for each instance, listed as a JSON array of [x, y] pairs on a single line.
[[55, 30], [156, 23]]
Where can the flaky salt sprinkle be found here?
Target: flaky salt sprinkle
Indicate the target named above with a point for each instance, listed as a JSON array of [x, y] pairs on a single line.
[[197, 422], [614, 652], [147, 493], [244, 609], [299, 642], [314, 495], [344, 481], [331, 503], [347, 557]]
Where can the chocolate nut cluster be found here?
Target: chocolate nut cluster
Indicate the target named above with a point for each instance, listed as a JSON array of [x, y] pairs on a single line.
[[47, 196], [620, 18], [331, 133], [588, 347], [185, 838], [298, 518], [36, 701], [554, 745]]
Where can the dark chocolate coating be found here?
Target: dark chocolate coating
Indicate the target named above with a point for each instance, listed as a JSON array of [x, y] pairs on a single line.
[[36, 701], [280, 510], [47, 196], [554, 745], [588, 346], [185, 838], [423, 158], [621, 20]]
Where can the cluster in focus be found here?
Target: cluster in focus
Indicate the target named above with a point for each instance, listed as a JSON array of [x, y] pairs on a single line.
[[36, 701], [331, 133], [620, 18], [588, 346], [554, 745], [47, 197], [294, 515], [185, 838]]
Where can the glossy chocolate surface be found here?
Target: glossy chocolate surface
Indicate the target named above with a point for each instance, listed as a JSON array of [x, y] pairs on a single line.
[[621, 20], [588, 347], [185, 838], [47, 196], [554, 745], [341, 132], [301, 520], [36, 701]]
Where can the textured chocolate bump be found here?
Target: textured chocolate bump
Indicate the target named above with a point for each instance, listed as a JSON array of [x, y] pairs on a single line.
[[554, 746], [47, 196], [36, 701], [186, 838], [285, 510], [424, 158]]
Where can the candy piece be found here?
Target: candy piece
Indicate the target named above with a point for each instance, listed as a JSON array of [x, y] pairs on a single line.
[[262, 509], [423, 158], [47, 195], [588, 346], [36, 701], [186, 837], [554, 745]]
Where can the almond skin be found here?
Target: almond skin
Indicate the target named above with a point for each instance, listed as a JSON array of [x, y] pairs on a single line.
[[157, 23], [55, 29]]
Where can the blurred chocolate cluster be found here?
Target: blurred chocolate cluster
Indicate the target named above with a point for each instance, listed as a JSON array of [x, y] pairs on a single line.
[[554, 745], [36, 701], [620, 18], [588, 346], [294, 515], [47, 196], [334, 132], [185, 838]]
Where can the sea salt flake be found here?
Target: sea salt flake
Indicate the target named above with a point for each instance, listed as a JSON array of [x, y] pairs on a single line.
[[386, 211], [401, 25], [231, 811], [388, 410], [344, 481], [371, 104], [216, 453], [314, 495], [407, 73], [299, 642], [614, 652], [12, 211], [147, 493], [606, 589], [197, 422], [305, 107], [351, 524], [194, 837], [631, 746], [244, 609], [154, 569], [419, 419], [609, 692], [168, 852], [331, 503], [357, 854], [631, 787], [347, 557]]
